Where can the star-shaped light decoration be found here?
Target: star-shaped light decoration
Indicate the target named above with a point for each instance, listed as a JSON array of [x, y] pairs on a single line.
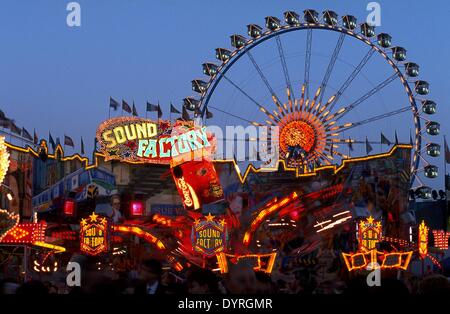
[[197, 222], [112, 152], [222, 222], [83, 222], [209, 217], [103, 221], [93, 216]]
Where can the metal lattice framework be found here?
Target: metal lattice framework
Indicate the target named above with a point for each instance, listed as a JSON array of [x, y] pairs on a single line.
[[305, 113]]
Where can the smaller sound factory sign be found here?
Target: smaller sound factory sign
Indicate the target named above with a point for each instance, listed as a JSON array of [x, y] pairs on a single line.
[[94, 234], [209, 237]]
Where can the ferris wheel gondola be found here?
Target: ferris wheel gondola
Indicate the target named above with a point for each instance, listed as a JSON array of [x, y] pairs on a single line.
[[312, 123]]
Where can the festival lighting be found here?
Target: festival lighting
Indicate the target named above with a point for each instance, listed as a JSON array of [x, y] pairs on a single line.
[[137, 208], [265, 212], [69, 207], [441, 239], [57, 248], [140, 233], [423, 240], [94, 235], [369, 234], [8, 222], [4, 159], [263, 263], [242, 175], [25, 233], [209, 237], [361, 260]]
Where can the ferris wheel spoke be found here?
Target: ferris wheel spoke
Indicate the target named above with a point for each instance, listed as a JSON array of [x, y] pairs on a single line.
[[367, 95], [275, 98], [233, 115], [330, 67], [261, 107], [307, 61], [352, 125], [352, 76], [285, 70]]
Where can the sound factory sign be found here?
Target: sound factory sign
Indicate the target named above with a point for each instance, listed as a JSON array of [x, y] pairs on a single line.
[[209, 237], [138, 140], [94, 234], [369, 234]]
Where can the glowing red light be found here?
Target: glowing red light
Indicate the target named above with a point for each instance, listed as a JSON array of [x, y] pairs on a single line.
[[69, 207], [137, 208]]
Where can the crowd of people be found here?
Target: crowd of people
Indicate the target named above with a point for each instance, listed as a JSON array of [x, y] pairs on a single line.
[[152, 278]]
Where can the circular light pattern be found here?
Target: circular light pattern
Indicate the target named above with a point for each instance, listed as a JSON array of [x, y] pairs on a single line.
[[297, 133]]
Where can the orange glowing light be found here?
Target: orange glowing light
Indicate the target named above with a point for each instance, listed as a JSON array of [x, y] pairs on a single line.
[[423, 240], [297, 133]]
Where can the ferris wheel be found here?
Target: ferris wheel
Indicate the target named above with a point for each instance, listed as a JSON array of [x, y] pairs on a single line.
[[329, 85]]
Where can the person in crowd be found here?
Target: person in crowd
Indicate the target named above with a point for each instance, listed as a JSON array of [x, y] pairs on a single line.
[[202, 281], [116, 215], [240, 279], [434, 284], [32, 288], [149, 282]]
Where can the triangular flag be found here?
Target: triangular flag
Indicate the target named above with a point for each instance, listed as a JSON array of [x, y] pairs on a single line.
[[82, 146], [35, 138], [185, 114], [384, 139], [350, 144], [396, 138], [113, 104], [26, 134], [51, 140], [368, 147], [159, 111], [125, 106], [447, 151], [173, 109], [151, 107], [134, 110], [68, 141], [209, 114]]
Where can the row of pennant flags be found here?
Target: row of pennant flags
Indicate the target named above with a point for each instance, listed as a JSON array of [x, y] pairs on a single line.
[[115, 105]]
